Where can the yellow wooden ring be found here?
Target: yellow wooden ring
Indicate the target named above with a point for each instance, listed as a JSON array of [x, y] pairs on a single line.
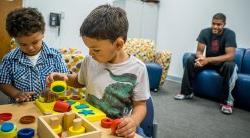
[[58, 87], [79, 131], [41, 99], [58, 129]]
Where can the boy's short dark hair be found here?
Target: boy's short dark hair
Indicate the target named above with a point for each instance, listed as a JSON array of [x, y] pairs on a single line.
[[24, 21], [220, 16], [105, 22]]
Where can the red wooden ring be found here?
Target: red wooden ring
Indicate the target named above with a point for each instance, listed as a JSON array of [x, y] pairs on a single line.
[[5, 116], [106, 122], [61, 106], [114, 125]]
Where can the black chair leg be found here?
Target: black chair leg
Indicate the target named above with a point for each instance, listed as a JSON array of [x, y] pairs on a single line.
[[155, 127]]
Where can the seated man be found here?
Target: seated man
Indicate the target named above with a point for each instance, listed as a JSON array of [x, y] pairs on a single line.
[[220, 47]]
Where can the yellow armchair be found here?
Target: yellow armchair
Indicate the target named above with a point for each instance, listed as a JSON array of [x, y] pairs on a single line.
[[73, 59], [144, 49]]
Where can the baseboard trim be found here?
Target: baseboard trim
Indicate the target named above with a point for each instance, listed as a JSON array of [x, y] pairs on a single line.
[[174, 79]]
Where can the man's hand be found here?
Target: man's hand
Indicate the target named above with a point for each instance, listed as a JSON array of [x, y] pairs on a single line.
[[201, 62], [24, 97], [55, 76], [127, 128], [200, 56]]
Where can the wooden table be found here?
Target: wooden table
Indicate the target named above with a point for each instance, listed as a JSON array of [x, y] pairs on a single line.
[[29, 108]]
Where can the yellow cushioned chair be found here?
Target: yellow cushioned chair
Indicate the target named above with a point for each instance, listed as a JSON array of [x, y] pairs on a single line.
[[144, 49]]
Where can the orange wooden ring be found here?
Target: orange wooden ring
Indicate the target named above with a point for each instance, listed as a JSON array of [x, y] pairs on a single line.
[[106, 122], [27, 119]]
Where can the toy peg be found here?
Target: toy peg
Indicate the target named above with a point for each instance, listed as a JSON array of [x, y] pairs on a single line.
[[77, 127], [54, 122], [55, 125], [77, 123], [68, 120]]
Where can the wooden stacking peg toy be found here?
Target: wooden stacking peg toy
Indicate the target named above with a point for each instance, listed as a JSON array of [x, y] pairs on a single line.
[[55, 125], [68, 120], [80, 126], [77, 127]]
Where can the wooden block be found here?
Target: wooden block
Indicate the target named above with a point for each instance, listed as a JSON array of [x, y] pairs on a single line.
[[68, 119], [54, 122]]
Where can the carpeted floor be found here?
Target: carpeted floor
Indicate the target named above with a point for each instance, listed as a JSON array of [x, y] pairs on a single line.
[[196, 118]]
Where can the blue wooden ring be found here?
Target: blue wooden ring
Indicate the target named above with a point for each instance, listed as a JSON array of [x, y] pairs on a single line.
[[7, 127], [26, 133]]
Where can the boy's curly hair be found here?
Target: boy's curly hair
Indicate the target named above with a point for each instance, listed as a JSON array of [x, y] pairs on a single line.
[[105, 22], [24, 22]]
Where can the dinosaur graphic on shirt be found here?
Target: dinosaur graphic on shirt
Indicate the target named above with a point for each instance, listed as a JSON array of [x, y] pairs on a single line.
[[117, 97]]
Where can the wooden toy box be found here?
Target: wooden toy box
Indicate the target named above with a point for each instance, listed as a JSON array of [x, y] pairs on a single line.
[[44, 130]]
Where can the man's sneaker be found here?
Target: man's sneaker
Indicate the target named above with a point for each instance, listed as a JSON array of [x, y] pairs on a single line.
[[182, 96], [227, 109]]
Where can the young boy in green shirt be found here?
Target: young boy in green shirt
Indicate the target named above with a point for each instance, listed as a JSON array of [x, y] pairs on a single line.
[[116, 83]]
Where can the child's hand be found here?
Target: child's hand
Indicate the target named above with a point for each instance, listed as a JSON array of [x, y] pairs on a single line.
[[48, 96], [24, 96], [55, 76], [127, 128]]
